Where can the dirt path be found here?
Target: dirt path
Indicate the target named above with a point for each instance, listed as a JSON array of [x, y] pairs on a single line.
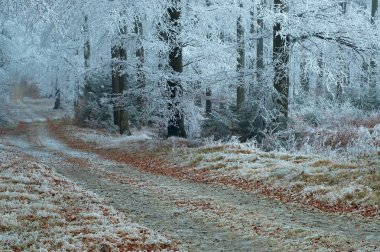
[[201, 217]]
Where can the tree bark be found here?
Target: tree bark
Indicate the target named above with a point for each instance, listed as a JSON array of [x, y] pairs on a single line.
[[140, 55], [115, 54], [208, 102], [86, 55], [281, 60], [240, 90], [260, 45], [343, 6], [208, 108], [319, 88], [374, 8], [372, 64], [342, 79], [123, 113], [119, 82], [57, 103], [57, 95], [176, 125]]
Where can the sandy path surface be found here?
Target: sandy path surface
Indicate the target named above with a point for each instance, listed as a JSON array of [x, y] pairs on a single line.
[[200, 217]]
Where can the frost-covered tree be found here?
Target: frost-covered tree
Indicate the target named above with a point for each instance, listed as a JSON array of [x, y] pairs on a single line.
[[240, 90], [278, 55], [280, 60], [176, 125]]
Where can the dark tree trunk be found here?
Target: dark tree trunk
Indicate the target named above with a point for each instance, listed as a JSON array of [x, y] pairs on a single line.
[[372, 64], [77, 96], [198, 95], [281, 60], [57, 103], [342, 79], [374, 8], [176, 126], [115, 53], [123, 114], [208, 90], [343, 6], [140, 55], [240, 90], [208, 102], [86, 55], [119, 82], [260, 46]]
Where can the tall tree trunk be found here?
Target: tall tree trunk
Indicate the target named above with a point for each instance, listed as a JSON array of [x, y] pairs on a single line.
[[372, 64], [77, 86], [260, 44], [208, 90], [176, 126], [240, 90], [57, 103], [115, 54], [208, 102], [374, 8], [281, 60], [86, 55], [85, 96], [119, 81], [140, 55], [319, 87], [123, 113], [252, 45], [342, 79]]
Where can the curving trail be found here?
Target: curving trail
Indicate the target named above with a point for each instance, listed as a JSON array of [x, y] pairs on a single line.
[[201, 217]]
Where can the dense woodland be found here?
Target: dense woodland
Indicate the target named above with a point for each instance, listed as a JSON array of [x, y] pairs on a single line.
[[256, 69]]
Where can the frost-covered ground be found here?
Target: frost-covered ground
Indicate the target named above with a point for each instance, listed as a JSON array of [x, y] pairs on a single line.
[[304, 177], [125, 171], [29, 110], [331, 185], [204, 216], [43, 211]]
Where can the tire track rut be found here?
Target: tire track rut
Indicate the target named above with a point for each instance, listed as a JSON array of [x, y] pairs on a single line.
[[203, 217]]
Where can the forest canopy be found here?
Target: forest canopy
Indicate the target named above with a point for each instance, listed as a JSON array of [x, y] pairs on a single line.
[[221, 68]]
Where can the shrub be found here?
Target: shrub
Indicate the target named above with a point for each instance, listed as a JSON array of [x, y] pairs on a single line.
[[250, 122], [341, 130]]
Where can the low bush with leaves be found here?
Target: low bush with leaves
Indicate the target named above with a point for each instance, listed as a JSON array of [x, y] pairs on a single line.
[[328, 129]]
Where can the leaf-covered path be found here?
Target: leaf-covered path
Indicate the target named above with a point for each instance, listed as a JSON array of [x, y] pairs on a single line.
[[201, 217]]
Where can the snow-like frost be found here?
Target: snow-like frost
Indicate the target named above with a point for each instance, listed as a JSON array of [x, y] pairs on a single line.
[[9, 221], [349, 191], [41, 209], [18, 195], [91, 215], [317, 188], [46, 214]]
